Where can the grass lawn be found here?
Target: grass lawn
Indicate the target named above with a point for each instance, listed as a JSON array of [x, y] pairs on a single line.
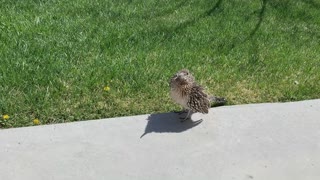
[[57, 57]]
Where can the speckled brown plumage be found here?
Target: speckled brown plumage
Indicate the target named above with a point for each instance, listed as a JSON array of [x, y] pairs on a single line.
[[198, 100], [186, 92]]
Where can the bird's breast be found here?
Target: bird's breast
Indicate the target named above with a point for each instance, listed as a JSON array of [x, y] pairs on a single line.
[[179, 97]]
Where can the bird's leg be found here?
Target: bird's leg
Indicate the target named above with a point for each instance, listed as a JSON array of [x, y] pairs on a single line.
[[181, 112], [187, 117]]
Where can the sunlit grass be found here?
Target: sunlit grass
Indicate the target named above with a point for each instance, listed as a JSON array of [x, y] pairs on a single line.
[[73, 60]]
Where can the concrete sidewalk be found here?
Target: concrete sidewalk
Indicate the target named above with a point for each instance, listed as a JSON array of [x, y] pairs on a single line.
[[257, 141]]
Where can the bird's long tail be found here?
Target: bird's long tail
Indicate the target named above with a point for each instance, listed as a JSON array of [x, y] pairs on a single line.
[[217, 101]]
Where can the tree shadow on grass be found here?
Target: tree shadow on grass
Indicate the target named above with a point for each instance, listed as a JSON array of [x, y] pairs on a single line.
[[312, 3], [192, 21], [172, 9], [167, 123], [261, 14], [213, 8], [168, 32]]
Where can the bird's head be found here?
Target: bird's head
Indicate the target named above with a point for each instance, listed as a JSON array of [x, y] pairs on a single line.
[[182, 77]]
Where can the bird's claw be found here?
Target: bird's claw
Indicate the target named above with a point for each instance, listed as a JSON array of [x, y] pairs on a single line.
[[183, 119]]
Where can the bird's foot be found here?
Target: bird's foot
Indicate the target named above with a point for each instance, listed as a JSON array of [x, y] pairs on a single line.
[[183, 119]]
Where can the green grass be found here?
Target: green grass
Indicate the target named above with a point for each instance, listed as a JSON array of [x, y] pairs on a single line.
[[57, 56]]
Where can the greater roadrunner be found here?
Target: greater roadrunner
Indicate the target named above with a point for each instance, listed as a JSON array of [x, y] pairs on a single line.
[[191, 96]]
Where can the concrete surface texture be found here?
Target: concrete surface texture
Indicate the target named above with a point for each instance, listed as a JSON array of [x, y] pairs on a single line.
[[257, 141]]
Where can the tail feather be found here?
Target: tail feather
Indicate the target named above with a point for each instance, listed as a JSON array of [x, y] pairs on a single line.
[[218, 101]]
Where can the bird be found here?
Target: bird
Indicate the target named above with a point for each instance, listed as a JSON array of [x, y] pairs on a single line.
[[186, 92]]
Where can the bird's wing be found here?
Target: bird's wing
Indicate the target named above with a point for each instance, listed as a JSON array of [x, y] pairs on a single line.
[[198, 100]]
